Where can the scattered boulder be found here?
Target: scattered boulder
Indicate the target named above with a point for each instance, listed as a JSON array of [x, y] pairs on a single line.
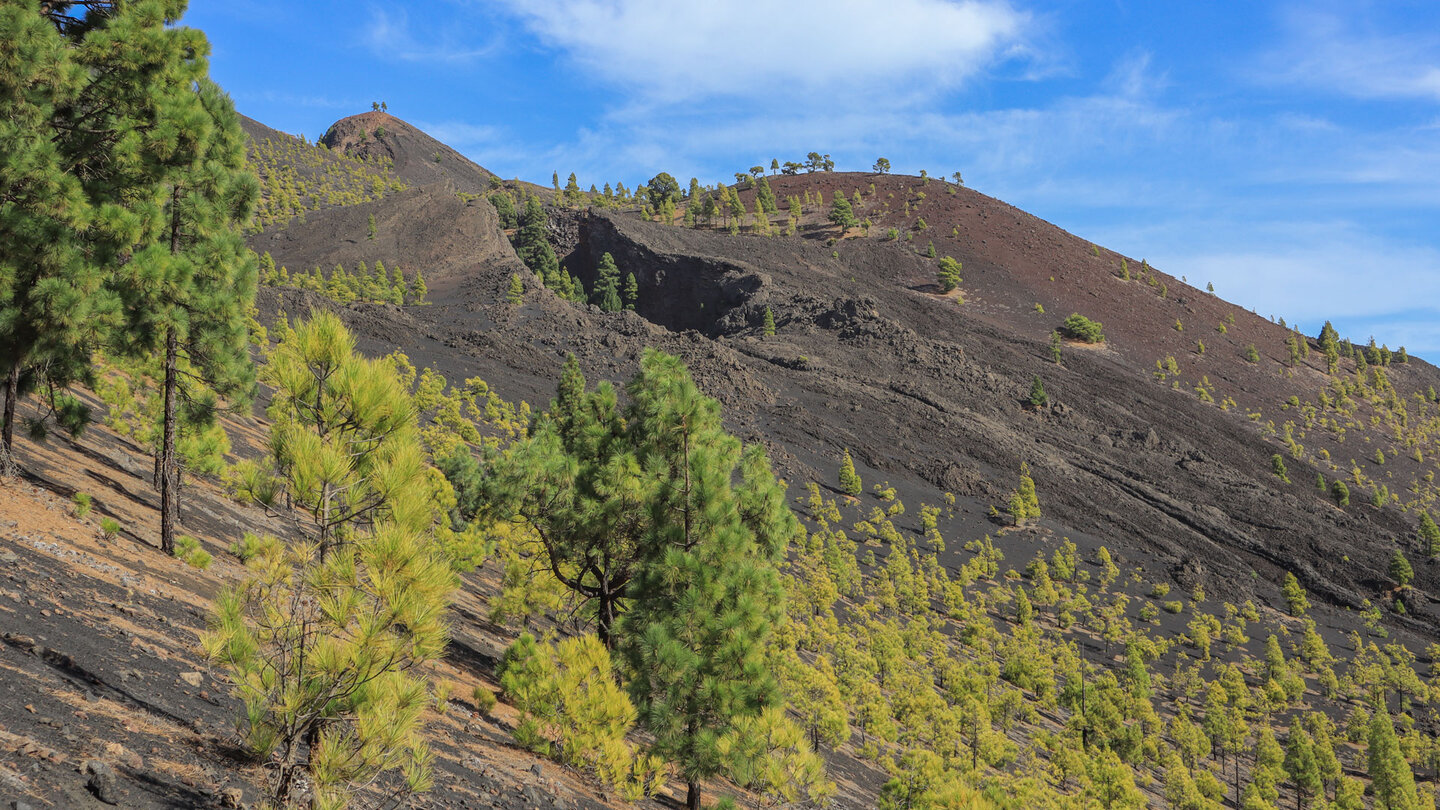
[[103, 782]]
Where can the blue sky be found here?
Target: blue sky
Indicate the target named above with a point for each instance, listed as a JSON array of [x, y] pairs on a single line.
[[1287, 152]]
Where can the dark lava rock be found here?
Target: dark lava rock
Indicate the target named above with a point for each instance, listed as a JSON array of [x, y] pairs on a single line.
[[103, 782]]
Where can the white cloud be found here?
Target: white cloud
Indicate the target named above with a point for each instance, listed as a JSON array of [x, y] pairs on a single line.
[[1345, 55], [798, 50], [321, 102], [388, 34], [1307, 272]]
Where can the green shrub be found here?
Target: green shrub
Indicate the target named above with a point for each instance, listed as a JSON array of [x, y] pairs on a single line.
[[1160, 590], [484, 699], [1078, 327], [1174, 606], [571, 707], [246, 547], [441, 694], [82, 504], [188, 550], [110, 527], [1038, 397], [1341, 493]]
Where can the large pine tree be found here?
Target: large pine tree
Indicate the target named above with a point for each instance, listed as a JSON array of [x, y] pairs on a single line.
[[576, 482], [101, 110], [186, 296], [47, 285], [706, 593], [607, 285], [532, 244]]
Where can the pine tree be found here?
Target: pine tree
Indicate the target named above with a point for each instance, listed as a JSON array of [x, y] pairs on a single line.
[[324, 641], [532, 244], [1294, 595], [1391, 779], [632, 291], [567, 696], [343, 435], [186, 297], [398, 287], [841, 213], [380, 283], [607, 285], [268, 274], [948, 275], [47, 287], [850, 483], [1429, 536], [1340, 492], [1400, 570], [813, 694], [555, 481], [1027, 494], [504, 209], [767, 326], [98, 113], [1301, 765], [765, 197], [370, 230], [707, 594], [515, 294], [418, 289], [1038, 397], [733, 206]]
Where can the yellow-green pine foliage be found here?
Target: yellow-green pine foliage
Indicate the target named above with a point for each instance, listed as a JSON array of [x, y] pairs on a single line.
[[571, 708], [344, 439], [325, 637], [296, 177], [850, 482], [1024, 502], [769, 754]]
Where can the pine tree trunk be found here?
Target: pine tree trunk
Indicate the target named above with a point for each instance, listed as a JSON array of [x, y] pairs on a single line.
[[605, 618], [169, 469], [692, 796], [7, 432]]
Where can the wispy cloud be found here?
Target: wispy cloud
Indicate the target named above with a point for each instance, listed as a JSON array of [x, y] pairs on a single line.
[[803, 50], [1345, 54], [1306, 271], [319, 102], [389, 35]]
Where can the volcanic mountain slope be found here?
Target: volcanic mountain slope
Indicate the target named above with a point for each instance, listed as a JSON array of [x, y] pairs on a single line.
[[108, 700], [418, 158], [929, 392], [297, 176], [1168, 467]]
